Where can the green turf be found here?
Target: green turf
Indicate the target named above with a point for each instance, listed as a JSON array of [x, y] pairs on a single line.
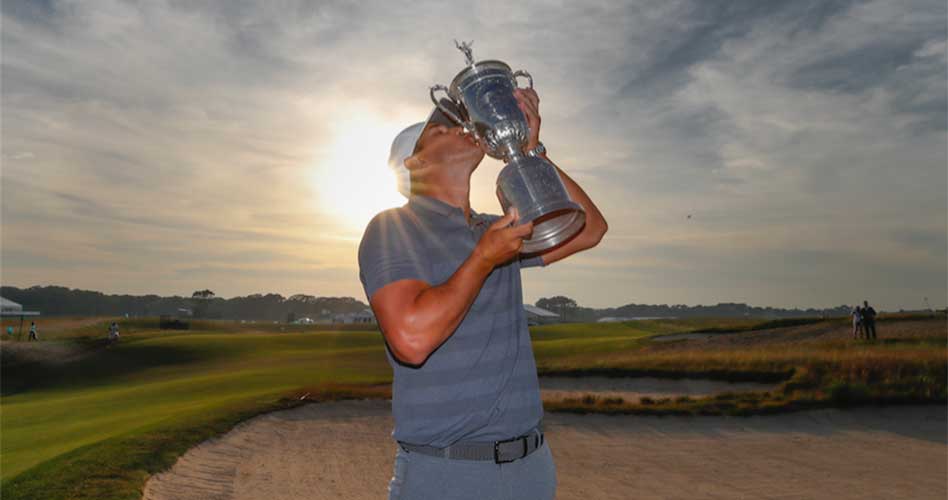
[[164, 378]]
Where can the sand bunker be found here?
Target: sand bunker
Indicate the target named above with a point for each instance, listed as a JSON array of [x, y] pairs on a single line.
[[344, 451], [633, 389]]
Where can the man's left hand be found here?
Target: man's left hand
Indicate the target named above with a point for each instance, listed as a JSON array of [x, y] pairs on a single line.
[[529, 103]]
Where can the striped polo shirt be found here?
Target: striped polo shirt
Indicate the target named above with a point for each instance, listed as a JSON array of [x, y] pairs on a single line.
[[480, 385]]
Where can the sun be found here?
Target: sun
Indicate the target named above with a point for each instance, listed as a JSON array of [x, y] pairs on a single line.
[[351, 178]]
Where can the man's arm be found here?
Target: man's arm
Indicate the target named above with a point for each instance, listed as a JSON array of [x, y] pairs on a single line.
[[591, 233], [416, 317], [596, 225]]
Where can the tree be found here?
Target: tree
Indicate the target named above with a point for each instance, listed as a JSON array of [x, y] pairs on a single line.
[[203, 294], [200, 299], [559, 304]]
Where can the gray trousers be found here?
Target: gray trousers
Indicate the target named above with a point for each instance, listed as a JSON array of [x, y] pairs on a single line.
[[423, 477]]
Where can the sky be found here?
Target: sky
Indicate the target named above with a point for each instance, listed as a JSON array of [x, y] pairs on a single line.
[[171, 146]]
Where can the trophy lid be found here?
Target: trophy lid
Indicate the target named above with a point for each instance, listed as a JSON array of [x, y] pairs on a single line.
[[478, 70], [474, 68]]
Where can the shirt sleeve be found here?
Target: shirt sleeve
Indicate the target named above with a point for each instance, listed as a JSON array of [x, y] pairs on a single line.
[[532, 261], [386, 253]]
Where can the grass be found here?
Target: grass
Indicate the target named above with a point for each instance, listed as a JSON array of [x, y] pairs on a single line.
[[637, 329], [82, 421], [814, 375]]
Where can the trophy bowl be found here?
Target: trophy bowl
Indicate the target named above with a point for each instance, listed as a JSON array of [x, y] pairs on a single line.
[[534, 187], [483, 91]]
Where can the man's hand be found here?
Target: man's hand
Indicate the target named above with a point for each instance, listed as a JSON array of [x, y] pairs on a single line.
[[529, 103], [502, 242], [596, 225]]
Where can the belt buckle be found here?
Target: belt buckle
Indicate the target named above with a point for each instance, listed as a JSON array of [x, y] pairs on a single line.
[[497, 444]]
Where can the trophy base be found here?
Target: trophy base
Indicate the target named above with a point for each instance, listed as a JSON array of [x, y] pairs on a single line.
[[554, 228]]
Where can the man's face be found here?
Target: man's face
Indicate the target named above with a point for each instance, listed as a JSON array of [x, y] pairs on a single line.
[[449, 146]]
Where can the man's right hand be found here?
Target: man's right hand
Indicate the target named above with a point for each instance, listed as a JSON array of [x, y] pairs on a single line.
[[502, 242]]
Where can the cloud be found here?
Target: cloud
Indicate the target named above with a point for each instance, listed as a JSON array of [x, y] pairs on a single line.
[[168, 146]]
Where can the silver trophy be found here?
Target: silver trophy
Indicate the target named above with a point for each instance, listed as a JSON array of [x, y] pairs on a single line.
[[483, 91]]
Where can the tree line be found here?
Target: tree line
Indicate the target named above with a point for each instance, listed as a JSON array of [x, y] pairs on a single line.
[[62, 301], [570, 310]]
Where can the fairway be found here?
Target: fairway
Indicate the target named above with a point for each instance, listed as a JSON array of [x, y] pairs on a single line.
[[156, 379]]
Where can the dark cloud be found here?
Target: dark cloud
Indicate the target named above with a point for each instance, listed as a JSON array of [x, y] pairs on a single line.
[[855, 70], [698, 29], [40, 13]]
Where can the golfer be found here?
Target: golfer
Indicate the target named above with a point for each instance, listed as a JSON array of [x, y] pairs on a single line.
[[114, 332], [444, 283]]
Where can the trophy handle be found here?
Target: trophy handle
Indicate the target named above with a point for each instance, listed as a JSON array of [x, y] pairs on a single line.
[[444, 110], [521, 72]]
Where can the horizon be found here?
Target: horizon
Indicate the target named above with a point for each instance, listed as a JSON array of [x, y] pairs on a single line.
[[579, 303], [741, 151]]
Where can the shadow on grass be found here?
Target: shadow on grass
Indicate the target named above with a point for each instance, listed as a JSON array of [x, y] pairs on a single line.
[[89, 363]]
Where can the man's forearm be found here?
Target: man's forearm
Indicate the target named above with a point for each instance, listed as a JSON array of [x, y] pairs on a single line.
[[438, 310]]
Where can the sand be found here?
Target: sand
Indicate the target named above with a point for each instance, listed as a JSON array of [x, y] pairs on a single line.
[[344, 451]]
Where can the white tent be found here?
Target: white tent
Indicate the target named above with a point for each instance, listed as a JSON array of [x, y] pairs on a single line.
[[539, 311], [10, 308], [538, 315], [7, 306]]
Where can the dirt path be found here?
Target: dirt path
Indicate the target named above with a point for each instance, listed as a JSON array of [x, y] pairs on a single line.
[[344, 451]]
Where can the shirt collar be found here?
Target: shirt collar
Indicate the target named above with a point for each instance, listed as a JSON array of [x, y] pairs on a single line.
[[435, 205]]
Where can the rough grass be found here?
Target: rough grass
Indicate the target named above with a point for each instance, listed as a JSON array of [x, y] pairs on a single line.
[[912, 368]]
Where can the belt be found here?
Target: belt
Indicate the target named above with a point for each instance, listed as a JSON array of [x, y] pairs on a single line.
[[500, 452]]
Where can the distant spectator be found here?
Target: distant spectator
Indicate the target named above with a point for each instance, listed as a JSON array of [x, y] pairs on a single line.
[[869, 320], [32, 331], [857, 322], [10, 331], [113, 332]]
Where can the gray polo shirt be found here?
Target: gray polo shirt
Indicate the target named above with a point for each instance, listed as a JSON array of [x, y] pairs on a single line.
[[480, 385]]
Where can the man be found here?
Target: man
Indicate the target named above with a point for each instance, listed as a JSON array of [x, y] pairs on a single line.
[[444, 283], [113, 332], [32, 335], [857, 322], [869, 320]]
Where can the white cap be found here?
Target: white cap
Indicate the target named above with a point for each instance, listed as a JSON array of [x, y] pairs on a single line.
[[404, 145]]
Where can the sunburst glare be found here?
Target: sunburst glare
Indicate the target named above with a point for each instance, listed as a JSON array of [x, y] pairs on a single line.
[[351, 179]]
